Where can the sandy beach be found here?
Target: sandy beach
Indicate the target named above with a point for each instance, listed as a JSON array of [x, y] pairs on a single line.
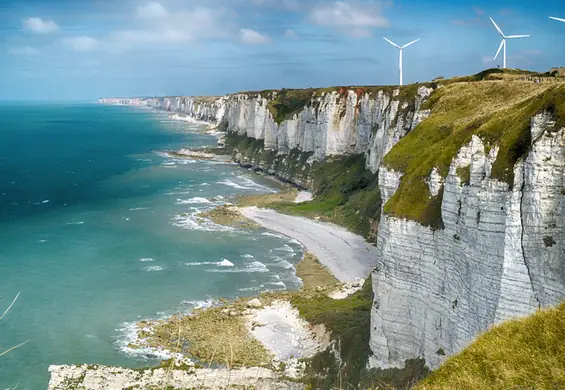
[[331, 244]]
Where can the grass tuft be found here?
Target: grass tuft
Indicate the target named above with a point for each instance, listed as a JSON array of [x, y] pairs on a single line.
[[496, 111], [526, 353]]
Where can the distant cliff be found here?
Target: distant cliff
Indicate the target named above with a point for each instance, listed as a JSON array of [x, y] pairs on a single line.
[[471, 176]]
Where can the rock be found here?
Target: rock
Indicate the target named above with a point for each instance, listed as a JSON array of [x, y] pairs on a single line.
[[226, 311], [254, 303], [247, 312], [490, 262], [233, 313], [116, 378]]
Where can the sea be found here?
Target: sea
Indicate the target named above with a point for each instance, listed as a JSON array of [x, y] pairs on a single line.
[[99, 229]]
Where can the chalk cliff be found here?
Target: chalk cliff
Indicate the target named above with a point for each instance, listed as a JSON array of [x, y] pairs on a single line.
[[472, 189], [327, 123]]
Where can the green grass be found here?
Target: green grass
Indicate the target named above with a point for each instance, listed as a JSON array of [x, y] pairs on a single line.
[[464, 174], [251, 153], [527, 353], [345, 193], [348, 320], [496, 111], [404, 378], [288, 102]]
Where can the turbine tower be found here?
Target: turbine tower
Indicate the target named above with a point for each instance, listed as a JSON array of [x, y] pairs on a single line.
[[503, 43], [558, 19], [400, 58]]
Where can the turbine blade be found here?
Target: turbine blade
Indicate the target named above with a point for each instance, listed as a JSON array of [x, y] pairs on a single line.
[[408, 44], [392, 43], [518, 36], [558, 19], [497, 28], [499, 49]]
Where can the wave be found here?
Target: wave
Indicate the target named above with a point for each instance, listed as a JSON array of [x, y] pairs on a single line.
[[223, 263], [248, 256], [272, 235], [45, 201], [253, 267], [194, 222], [154, 268], [189, 119], [138, 208], [129, 331], [251, 288], [278, 283], [246, 184], [200, 304], [75, 223], [188, 192], [195, 200], [146, 259], [285, 248], [285, 264]]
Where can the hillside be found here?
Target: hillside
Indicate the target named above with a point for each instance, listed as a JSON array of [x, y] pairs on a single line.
[[459, 182], [524, 353]]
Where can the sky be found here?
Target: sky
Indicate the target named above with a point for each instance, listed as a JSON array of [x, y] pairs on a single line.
[[83, 50]]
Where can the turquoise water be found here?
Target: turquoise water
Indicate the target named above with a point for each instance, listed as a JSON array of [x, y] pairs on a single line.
[[99, 229]]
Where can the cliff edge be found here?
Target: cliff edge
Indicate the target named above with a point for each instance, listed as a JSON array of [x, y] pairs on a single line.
[[460, 182]]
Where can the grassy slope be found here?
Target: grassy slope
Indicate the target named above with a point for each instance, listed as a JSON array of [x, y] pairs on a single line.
[[345, 193], [348, 320], [498, 112], [527, 353]]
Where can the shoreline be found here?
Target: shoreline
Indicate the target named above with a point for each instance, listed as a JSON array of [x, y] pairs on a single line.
[[266, 329]]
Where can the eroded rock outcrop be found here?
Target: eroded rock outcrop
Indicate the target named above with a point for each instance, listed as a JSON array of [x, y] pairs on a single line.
[[95, 377], [329, 123], [500, 254], [495, 248]]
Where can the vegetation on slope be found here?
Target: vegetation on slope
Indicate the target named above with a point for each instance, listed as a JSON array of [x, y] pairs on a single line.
[[284, 104], [527, 353], [498, 112], [348, 320], [345, 192]]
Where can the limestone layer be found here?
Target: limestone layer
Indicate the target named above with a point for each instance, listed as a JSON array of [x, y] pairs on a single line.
[[499, 254]]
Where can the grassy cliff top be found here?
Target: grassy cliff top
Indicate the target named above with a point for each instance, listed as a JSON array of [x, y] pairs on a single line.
[[499, 112], [527, 353]]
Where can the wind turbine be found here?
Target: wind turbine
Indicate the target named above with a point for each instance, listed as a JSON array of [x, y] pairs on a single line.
[[558, 19], [503, 43], [400, 47]]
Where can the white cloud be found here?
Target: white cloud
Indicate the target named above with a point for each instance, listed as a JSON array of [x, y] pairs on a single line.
[[252, 37], [291, 33], [158, 25], [152, 10], [25, 51], [354, 18], [40, 26], [82, 43]]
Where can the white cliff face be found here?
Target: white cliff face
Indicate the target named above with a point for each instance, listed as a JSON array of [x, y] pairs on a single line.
[[329, 125], [498, 257]]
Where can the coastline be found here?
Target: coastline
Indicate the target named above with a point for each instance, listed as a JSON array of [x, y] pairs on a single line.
[[271, 321]]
